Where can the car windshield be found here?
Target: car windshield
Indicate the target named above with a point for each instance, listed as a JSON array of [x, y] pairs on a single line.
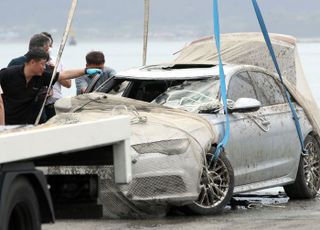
[[190, 95]]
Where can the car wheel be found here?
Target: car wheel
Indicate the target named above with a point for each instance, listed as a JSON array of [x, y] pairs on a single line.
[[22, 206], [307, 182], [216, 188]]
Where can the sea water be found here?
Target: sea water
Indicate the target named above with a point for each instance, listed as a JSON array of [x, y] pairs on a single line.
[[122, 55]]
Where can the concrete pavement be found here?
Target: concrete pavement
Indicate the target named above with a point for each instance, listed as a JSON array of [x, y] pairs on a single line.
[[299, 214]]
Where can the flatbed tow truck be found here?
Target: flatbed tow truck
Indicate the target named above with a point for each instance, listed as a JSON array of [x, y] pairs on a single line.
[[25, 192]]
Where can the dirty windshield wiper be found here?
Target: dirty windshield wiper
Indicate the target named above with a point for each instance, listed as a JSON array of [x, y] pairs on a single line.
[[211, 111]]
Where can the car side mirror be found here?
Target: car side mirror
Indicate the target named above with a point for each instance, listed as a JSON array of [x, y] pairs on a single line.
[[245, 105]]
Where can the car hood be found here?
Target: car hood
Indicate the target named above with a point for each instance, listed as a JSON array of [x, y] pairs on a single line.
[[149, 122]]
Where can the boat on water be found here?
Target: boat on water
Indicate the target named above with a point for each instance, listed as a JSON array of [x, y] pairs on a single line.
[[72, 41]]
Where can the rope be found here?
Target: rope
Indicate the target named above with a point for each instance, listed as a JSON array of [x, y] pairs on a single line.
[[137, 119], [275, 62], [223, 88], [62, 45]]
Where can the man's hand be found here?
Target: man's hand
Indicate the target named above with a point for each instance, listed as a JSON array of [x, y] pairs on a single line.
[[92, 71]]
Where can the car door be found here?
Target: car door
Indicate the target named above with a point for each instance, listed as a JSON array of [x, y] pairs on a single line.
[[284, 149], [248, 144]]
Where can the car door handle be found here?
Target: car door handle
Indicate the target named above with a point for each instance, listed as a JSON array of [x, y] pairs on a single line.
[[265, 122], [261, 122]]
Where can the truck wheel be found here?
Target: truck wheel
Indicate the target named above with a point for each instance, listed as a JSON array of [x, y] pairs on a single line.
[[216, 188], [22, 206], [307, 182]]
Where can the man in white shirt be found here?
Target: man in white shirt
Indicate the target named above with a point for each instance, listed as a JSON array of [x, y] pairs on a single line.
[[1, 108], [57, 94]]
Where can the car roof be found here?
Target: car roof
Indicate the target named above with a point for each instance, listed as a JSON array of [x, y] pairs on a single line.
[[175, 72]]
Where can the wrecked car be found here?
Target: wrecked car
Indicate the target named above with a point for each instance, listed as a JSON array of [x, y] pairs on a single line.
[[263, 149], [169, 150]]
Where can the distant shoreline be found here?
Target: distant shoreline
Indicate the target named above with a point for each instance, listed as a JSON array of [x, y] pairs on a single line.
[[308, 40], [299, 40]]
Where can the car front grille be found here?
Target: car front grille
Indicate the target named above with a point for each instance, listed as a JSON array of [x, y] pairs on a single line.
[[152, 187]]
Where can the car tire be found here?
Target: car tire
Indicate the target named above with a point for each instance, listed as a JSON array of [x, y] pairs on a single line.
[[214, 196], [307, 182], [22, 206]]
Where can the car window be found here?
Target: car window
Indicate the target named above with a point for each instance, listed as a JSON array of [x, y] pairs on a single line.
[[190, 95], [146, 90], [112, 86], [241, 86], [268, 91]]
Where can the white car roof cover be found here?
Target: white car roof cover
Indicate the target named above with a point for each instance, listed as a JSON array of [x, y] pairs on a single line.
[[250, 49]]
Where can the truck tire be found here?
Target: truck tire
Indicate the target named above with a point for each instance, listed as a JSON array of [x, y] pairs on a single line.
[[22, 206]]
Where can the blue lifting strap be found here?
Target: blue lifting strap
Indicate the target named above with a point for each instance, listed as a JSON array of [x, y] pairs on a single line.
[[223, 89], [274, 59]]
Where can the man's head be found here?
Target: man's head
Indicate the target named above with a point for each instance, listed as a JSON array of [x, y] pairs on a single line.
[[40, 41], [95, 59], [50, 37], [36, 61]]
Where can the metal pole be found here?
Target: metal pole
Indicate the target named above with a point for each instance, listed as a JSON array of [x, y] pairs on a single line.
[[146, 31]]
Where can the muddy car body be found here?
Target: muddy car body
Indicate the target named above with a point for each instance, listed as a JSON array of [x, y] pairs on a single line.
[[168, 147], [264, 148]]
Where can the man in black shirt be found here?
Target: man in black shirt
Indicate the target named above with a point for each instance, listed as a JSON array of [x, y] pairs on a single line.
[[44, 41], [37, 41], [21, 86]]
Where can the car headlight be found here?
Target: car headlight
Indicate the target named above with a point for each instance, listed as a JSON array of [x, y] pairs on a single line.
[[168, 147]]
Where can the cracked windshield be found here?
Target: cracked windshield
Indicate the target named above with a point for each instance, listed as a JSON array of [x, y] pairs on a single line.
[[191, 95]]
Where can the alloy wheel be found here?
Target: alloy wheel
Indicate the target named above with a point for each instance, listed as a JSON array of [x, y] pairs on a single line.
[[311, 166], [214, 185]]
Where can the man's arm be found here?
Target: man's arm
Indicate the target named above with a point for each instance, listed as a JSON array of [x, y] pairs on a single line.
[[65, 83], [70, 74]]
